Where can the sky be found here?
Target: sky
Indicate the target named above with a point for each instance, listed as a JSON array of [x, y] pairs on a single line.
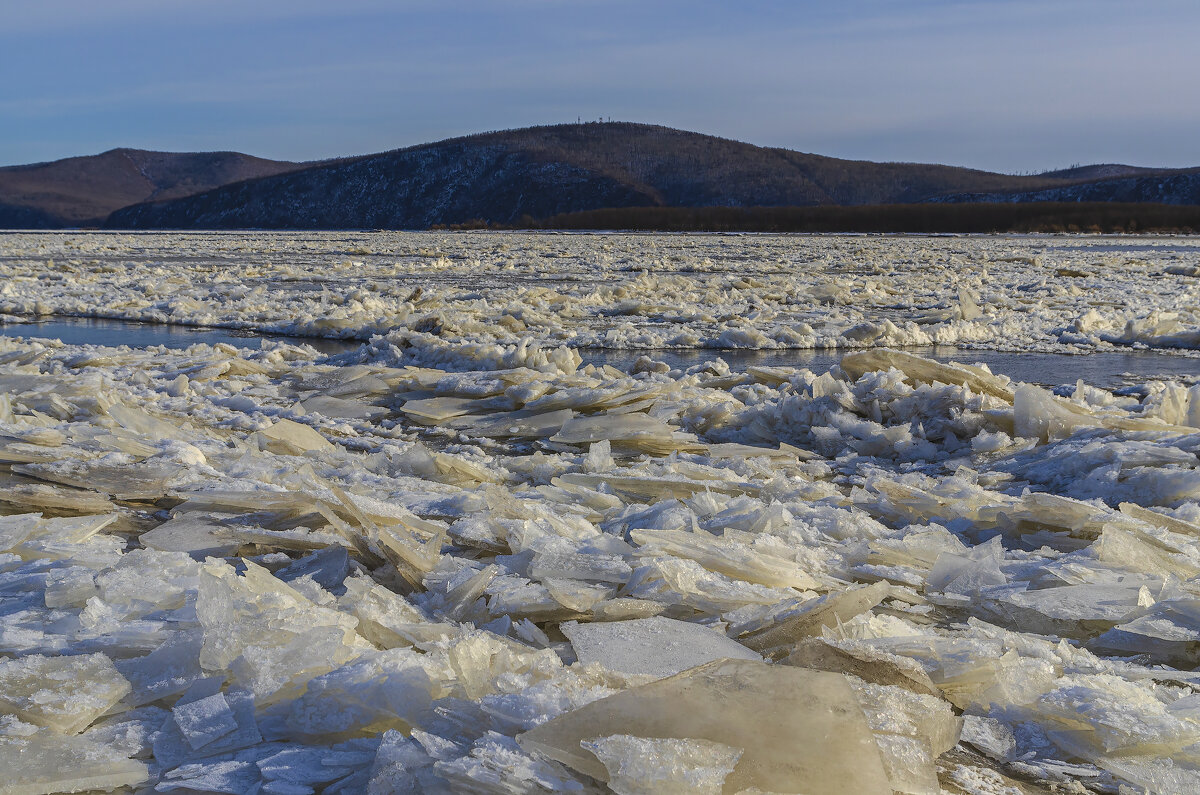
[[1012, 86]]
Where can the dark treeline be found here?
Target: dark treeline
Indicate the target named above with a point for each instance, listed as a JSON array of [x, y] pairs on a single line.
[[980, 218]]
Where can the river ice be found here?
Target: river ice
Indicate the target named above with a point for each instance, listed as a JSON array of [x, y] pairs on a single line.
[[457, 559], [628, 291]]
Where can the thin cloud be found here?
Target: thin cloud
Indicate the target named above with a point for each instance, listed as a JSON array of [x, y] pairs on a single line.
[[990, 84]]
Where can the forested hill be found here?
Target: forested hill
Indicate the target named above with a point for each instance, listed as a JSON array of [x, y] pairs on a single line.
[[539, 172], [79, 191], [515, 176]]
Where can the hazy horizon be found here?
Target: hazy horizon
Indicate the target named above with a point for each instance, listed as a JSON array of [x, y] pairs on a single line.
[[1000, 86]]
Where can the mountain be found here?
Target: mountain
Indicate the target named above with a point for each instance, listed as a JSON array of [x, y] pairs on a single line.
[[516, 176], [539, 172], [83, 191], [1103, 171], [1158, 187], [545, 171]]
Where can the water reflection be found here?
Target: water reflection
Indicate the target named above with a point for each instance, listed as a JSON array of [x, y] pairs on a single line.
[[102, 331]]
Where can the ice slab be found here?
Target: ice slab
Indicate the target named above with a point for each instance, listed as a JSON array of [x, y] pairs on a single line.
[[198, 536], [732, 559], [221, 724], [167, 671], [328, 568], [919, 369], [912, 731], [333, 407], [650, 766], [827, 611], [142, 422], [878, 668], [224, 776], [204, 720], [42, 496], [15, 529], [142, 481], [798, 730], [44, 762], [438, 409], [636, 432], [291, 438], [62, 693], [655, 646]]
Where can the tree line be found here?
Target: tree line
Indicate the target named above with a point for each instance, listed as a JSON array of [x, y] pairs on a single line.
[[1096, 217]]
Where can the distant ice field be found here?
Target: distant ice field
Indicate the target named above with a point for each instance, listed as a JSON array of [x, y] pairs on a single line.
[[1047, 293]]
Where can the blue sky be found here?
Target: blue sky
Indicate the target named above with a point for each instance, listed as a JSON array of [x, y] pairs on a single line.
[[1008, 86]]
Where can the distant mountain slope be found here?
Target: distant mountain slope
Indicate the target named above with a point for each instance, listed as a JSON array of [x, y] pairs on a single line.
[[17, 217], [1103, 171], [416, 188], [545, 171], [1171, 187], [505, 177], [85, 190]]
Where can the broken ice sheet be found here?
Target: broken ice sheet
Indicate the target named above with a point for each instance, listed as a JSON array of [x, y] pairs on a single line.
[[328, 568], [1110, 715], [291, 438], [798, 730], [647, 766], [268, 634], [235, 727], [304, 768], [15, 529], [44, 497], [217, 775], [167, 671], [634, 432], [196, 535], [337, 408], [826, 611], [729, 558], [386, 690], [62, 693], [204, 720], [912, 731], [868, 664], [917, 368], [44, 761], [146, 480], [655, 646]]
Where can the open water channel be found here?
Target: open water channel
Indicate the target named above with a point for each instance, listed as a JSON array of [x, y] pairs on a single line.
[[1106, 369]]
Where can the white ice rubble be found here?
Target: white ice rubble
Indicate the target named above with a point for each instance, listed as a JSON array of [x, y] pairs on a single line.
[[467, 563], [627, 291]]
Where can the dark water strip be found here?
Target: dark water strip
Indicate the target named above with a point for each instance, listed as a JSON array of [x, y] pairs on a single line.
[[103, 331], [1106, 369]]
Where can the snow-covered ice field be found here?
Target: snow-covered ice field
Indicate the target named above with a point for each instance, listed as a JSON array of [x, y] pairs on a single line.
[[456, 559]]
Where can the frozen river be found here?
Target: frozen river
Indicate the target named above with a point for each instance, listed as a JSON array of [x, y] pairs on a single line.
[[393, 512]]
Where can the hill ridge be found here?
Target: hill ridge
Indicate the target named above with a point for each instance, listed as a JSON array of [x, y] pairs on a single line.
[[86, 189], [507, 176]]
